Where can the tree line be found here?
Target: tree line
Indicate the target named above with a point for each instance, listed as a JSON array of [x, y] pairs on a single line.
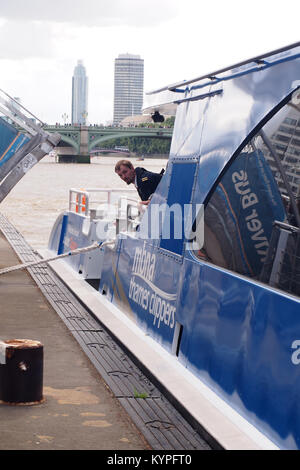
[[144, 145]]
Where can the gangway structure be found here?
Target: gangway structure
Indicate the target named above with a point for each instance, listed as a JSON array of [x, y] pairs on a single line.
[[24, 142]]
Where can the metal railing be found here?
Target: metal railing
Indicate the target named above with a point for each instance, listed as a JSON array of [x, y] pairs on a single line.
[[130, 212], [124, 211], [83, 201]]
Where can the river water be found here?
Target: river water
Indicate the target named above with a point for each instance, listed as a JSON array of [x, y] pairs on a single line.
[[36, 201]]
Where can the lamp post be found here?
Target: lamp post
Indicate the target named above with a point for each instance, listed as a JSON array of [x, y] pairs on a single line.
[[64, 117], [84, 116]]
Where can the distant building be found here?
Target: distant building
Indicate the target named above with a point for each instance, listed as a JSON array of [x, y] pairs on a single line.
[[79, 95], [128, 86], [286, 142]]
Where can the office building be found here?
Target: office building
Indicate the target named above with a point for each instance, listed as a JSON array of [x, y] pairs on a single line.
[[79, 95], [285, 139], [128, 86]]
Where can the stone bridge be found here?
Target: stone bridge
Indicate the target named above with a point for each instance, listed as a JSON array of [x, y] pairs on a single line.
[[79, 142]]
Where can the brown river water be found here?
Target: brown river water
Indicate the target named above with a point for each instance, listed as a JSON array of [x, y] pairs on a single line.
[[36, 201]]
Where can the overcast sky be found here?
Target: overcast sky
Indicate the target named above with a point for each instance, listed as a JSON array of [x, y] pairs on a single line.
[[41, 42]]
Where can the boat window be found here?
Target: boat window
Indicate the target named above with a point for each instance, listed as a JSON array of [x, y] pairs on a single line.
[[252, 221]]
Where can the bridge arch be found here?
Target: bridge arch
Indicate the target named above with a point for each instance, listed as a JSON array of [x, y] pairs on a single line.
[[70, 141], [104, 138]]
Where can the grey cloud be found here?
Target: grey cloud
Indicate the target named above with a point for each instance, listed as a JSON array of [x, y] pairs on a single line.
[[90, 12]]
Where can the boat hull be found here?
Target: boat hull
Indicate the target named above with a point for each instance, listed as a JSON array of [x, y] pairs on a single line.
[[212, 315]]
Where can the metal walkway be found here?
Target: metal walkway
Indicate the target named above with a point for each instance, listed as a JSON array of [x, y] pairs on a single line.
[[161, 424]]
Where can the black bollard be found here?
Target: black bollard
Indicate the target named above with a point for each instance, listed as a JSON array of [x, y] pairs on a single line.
[[21, 372]]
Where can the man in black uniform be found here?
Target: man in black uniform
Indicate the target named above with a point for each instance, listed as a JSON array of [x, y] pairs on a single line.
[[145, 181]]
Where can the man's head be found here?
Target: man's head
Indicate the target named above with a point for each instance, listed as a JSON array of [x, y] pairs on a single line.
[[126, 171]]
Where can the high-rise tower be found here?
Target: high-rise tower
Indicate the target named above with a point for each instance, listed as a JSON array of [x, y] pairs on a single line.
[[79, 95], [129, 86]]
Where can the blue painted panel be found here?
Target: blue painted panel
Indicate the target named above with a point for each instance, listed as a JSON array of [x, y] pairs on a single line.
[[238, 338], [10, 141], [146, 288], [180, 191], [55, 236], [68, 236], [64, 225]]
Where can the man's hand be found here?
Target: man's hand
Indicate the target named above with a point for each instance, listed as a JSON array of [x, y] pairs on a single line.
[[145, 203], [142, 206]]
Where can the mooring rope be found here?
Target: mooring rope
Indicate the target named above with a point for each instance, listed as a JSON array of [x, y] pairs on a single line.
[[53, 258]]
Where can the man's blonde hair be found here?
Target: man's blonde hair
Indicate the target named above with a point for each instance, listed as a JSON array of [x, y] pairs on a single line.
[[123, 162]]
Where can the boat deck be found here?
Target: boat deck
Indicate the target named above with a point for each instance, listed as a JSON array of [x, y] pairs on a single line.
[[95, 395]]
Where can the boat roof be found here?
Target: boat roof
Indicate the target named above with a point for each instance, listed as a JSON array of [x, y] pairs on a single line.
[[167, 98]]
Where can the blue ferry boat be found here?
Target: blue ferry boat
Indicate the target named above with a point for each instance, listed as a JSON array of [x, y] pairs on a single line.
[[219, 302], [203, 286]]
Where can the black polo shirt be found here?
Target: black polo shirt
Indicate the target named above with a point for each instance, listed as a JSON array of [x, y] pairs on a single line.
[[146, 182]]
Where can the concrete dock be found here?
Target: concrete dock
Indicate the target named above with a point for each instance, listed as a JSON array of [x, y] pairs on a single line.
[[79, 411]]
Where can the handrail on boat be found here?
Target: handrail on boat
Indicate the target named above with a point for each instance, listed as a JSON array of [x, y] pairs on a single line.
[[121, 210], [126, 221], [80, 200]]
